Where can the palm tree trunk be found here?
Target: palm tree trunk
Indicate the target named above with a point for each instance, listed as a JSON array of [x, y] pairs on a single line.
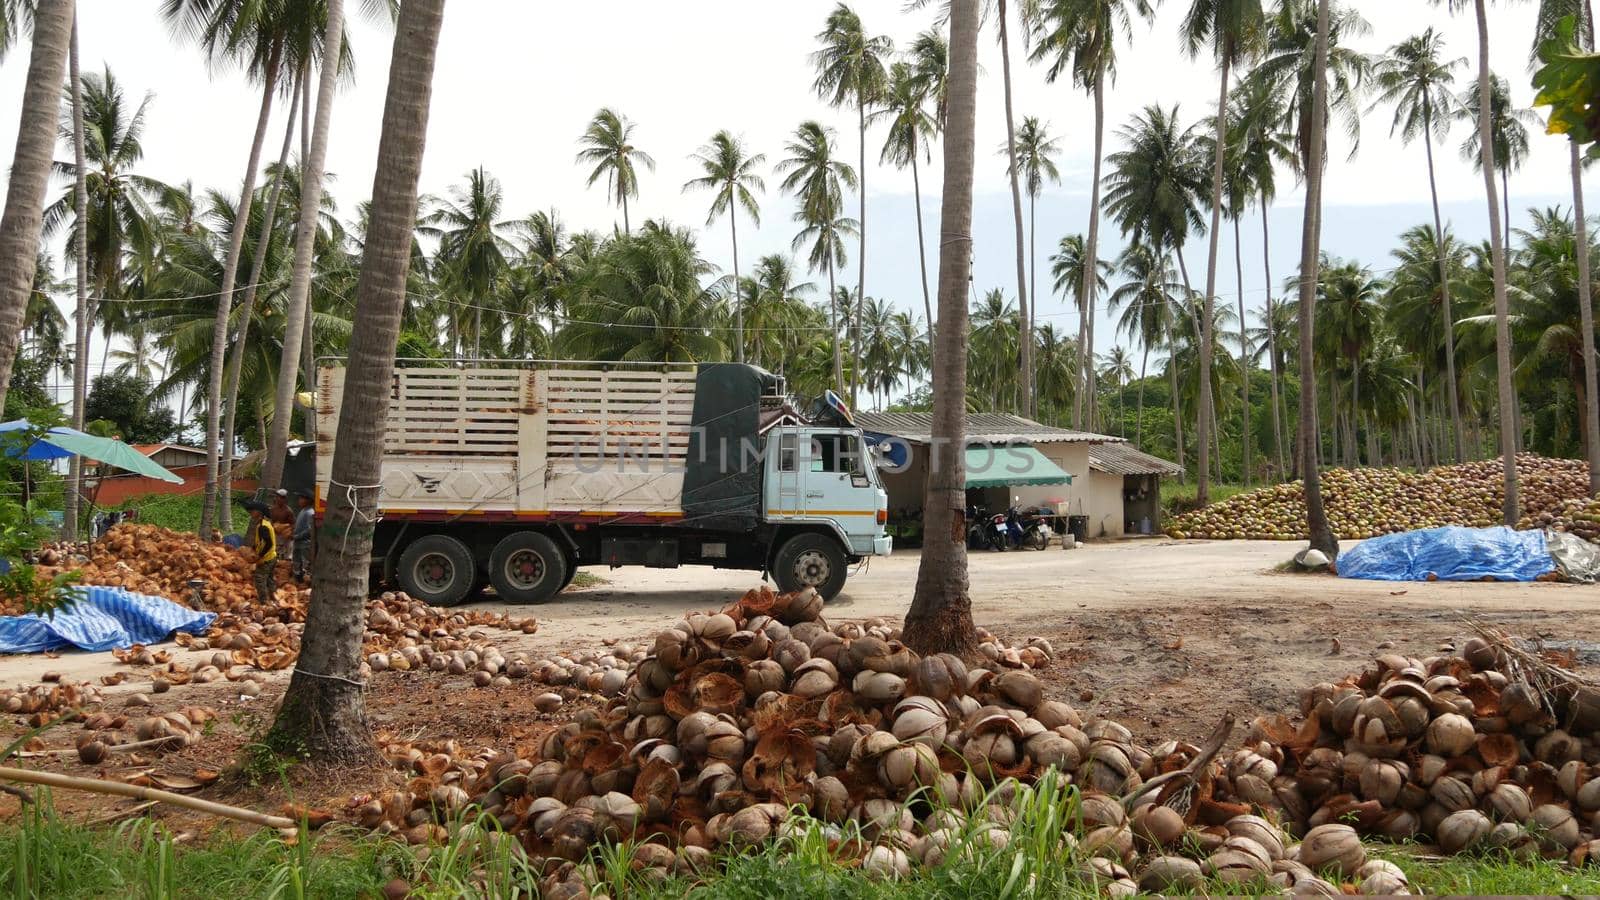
[[738, 297], [22, 222], [940, 617], [1444, 286], [1033, 268], [258, 262], [1322, 538], [1505, 198], [1497, 262], [1172, 379], [1138, 428], [1591, 406], [324, 709], [833, 321], [304, 244], [1244, 356], [1025, 340], [1203, 495], [625, 228], [861, 246], [1272, 349], [922, 249], [219, 328], [1091, 248], [80, 252]]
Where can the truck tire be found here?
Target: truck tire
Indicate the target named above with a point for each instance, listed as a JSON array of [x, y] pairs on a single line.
[[810, 560], [437, 569], [527, 567]]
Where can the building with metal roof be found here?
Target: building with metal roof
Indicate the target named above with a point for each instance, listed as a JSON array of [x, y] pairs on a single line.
[[1098, 482]]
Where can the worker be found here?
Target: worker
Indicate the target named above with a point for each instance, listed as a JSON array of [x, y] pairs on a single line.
[[264, 548], [281, 514], [304, 523]]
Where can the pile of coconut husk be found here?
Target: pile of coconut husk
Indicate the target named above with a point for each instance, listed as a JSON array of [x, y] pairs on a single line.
[[734, 720]]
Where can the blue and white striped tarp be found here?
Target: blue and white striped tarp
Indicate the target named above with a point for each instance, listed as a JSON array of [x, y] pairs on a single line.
[[99, 619]]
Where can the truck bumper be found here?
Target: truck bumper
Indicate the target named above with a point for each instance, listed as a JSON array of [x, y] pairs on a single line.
[[882, 546]]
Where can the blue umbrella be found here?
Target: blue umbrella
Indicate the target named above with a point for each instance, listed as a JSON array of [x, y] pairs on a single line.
[[60, 442]]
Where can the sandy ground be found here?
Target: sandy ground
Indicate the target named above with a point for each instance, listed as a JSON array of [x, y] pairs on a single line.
[[1162, 635]]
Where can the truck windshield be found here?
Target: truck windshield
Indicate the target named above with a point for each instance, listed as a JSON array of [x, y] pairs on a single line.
[[838, 453]]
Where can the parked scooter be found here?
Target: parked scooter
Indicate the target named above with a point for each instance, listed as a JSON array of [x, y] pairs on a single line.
[[986, 532], [1035, 530]]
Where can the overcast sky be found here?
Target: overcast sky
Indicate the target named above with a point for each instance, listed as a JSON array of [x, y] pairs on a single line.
[[518, 81]]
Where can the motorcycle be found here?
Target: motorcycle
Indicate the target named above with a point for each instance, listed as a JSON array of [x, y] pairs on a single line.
[[1035, 531], [986, 532]]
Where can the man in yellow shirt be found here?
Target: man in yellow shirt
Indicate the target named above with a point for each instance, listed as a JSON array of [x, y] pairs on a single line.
[[264, 547]]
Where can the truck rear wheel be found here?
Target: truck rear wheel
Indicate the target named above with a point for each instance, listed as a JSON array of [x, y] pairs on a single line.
[[810, 560], [527, 567], [437, 569]]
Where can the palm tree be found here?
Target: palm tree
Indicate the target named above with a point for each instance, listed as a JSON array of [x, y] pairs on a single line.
[[1081, 35], [1034, 149], [940, 617], [1025, 357], [322, 710], [1347, 326], [911, 132], [608, 144], [1551, 13], [1153, 193], [80, 254], [1148, 295], [996, 329], [22, 221], [1322, 538], [929, 58], [1118, 367], [474, 252], [313, 170], [817, 179], [1232, 30], [1487, 146], [1069, 266], [642, 299], [1262, 144], [1416, 78], [850, 68], [777, 309], [1416, 295], [1509, 125], [730, 172]]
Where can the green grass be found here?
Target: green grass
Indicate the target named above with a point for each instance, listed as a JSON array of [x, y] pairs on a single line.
[[587, 579], [1178, 498], [179, 512], [43, 856]]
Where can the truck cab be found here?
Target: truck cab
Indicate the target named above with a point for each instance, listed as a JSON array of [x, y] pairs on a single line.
[[822, 481]]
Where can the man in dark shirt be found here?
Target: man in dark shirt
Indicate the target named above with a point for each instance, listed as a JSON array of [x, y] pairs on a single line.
[[304, 523]]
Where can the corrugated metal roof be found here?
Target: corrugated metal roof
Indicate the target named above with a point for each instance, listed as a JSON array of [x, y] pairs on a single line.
[[989, 428], [1125, 459]]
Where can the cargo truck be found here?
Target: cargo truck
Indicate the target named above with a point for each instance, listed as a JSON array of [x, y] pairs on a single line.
[[513, 475]]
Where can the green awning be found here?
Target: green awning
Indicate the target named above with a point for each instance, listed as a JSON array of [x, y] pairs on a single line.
[[996, 465]]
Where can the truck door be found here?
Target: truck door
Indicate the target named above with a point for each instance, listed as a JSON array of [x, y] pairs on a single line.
[[789, 499]]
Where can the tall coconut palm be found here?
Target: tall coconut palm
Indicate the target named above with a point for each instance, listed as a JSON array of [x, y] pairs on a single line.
[[1080, 36], [816, 179], [776, 309], [1551, 13], [1322, 538], [1148, 295], [940, 617], [730, 173], [1232, 31], [474, 251], [929, 58], [1035, 151], [1118, 366], [1262, 145], [850, 69], [1288, 61], [1069, 268], [1509, 126], [1487, 146], [608, 144], [313, 171], [323, 709], [910, 135], [255, 36], [1416, 78], [1025, 356], [1153, 194], [80, 254], [22, 222], [643, 300]]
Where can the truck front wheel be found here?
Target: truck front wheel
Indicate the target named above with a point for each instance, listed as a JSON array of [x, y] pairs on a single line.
[[810, 560], [527, 567], [437, 569]]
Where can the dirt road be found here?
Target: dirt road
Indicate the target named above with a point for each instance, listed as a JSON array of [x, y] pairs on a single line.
[[1152, 631]]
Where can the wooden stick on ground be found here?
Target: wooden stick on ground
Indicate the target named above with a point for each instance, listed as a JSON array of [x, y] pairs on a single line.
[[97, 786], [173, 741], [119, 814]]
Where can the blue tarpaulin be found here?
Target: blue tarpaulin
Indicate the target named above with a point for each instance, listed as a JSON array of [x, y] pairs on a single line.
[[1451, 553], [99, 619]]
